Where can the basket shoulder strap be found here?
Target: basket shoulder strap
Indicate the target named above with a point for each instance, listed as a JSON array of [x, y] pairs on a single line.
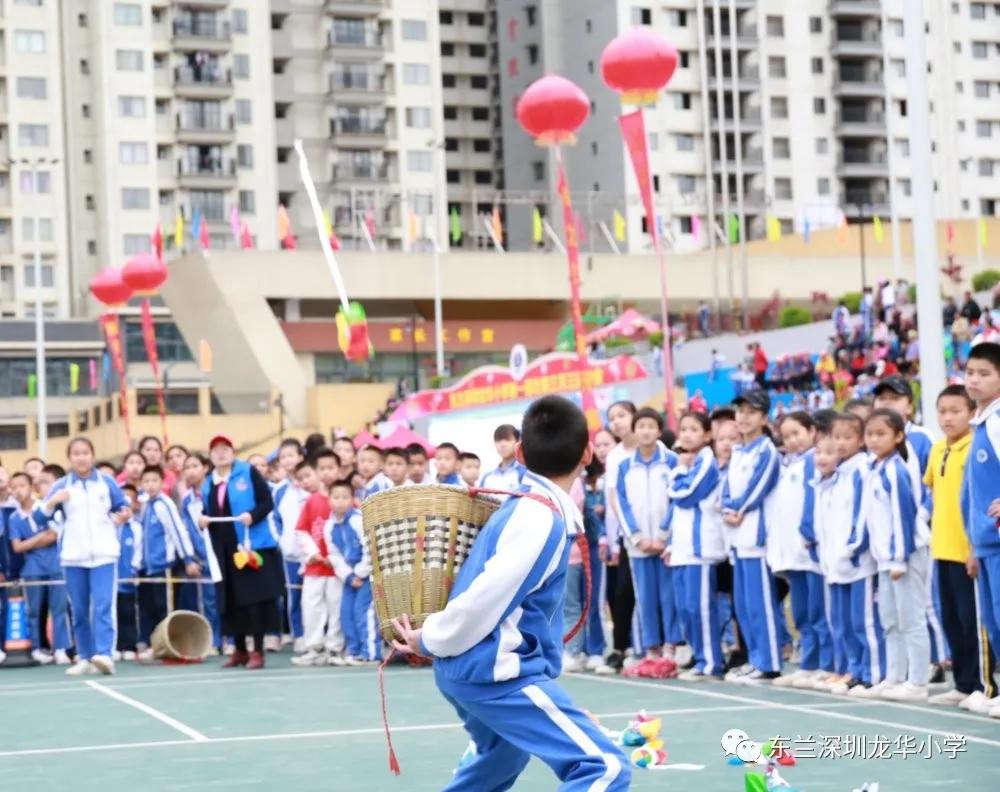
[[474, 491]]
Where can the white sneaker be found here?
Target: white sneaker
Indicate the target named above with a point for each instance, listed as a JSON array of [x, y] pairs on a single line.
[[41, 657], [272, 643], [310, 658], [593, 663], [863, 692], [789, 680], [81, 668], [61, 658], [3, 655], [335, 659], [976, 702], [285, 639], [116, 655], [949, 698], [736, 674], [145, 656], [355, 661], [572, 664], [808, 680], [299, 645], [104, 664], [693, 675], [906, 692], [632, 660], [994, 710], [228, 649], [683, 655], [129, 655]]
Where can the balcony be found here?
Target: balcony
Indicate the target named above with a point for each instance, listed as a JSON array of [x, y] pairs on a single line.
[[746, 37], [281, 44], [284, 86], [208, 174], [208, 84], [855, 8], [208, 37], [351, 44], [353, 131], [354, 8], [865, 45], [862, 163], [867, 84], [284, 132], [872, 201], [205, 130], [288, 176], [749, 121], [363, 86], [363, 172], [853, 123], [753, 161], [748, 79]]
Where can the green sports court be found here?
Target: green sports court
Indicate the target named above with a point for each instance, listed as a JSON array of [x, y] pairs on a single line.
[[198, 727]]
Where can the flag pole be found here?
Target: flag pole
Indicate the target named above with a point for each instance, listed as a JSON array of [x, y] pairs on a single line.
[[897, 264], [980, 229], [489, 230], [720, 101], [553, 236], [609, 237], [738, 145], [707, 144]]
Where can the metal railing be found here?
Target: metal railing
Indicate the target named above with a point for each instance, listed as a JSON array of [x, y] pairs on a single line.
[[357, 126], [353, 81], [859, 117], [861, 158], [212, 168], [355, 170], [341, 38], [865, 197], [214, 31], [222, 124]]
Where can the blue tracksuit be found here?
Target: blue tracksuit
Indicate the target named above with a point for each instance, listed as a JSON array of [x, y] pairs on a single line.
[[42, 563], [346, 539], [165, 542], [504, 477], [130, 558], [288, 501], [643, 504], [750, 478], [594, 643], [497, 649], [379, 483], [199, 597], [982, 487]]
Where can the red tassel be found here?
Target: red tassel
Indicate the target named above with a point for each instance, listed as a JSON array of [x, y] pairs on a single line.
[[393, 761]]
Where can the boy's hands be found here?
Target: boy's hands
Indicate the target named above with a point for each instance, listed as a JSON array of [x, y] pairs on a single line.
[[896, 574], [193, 569], [59, 498], [994, 509], [357, 582], [651, 546], [121, 516], [972, 567], [411, 637]]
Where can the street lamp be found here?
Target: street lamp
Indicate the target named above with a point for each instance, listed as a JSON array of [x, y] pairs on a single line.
[[41, 391], [435, 146]]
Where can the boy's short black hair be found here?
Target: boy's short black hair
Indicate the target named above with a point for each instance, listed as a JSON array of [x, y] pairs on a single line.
[[650, 413], [823, 420], [468, 455], [506, 432], [988, 351], [290, 442], [325, 453], [723, 414], [374, 449], [157, 469], [852, 419], [54, 470], [342, 484], [554, 436], [860, 401], [415, 449], [20, 474], [957, 390], [396, 451], [102, 464], [344, 439], [305, 463], [126, 487], [449, 447]]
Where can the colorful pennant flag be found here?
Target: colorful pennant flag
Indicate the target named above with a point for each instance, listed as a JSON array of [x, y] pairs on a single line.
[[179, 231], [734, 229], [74, 377], [982, 231], [234, 223], [537, 229], [842, 230], [196, 224], [621, 227], [581, 228], [246, 238], [204, 357], [369, 220], [455, 222], [949, 232], [285, 228], [773, 228], [203, 239], [877, 230], [32, 386], [496, 223], [806, 229], [411, 226], [92, 374], [696, 227], [330, 233], [157, 239]]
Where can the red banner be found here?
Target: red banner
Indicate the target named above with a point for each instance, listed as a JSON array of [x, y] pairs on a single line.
[[113, 334], [634, 134], [149, 340], [558, 372]]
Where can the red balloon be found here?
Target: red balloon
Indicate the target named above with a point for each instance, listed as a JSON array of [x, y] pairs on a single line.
[[144, 273], [638, 64], [109, 288], [551, 109]]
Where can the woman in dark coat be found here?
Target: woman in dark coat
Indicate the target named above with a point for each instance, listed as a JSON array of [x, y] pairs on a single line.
[[247, 594]]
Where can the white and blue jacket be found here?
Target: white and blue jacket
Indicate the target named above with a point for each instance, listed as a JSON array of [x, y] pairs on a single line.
[[453, 479], [789, 514], [919, 442], [982, 482], [130, 559], [345, 542], [288, 501], [504, 477], [165, 539], [379, 483], [641, 496], [502, 628], [841, 539], [693, 521], [889, 512], [90, 535], [42, 562], [751, 477]]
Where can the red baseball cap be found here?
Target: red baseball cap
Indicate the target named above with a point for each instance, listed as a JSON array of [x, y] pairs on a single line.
[[220, 439]]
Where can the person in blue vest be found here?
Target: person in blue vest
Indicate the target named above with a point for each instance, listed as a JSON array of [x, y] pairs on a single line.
[[250, 578], [199, 597]]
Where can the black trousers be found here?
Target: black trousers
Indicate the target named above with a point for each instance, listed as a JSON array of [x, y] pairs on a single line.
[[624, 604], [971, 659], [128, 626], [152, 606]]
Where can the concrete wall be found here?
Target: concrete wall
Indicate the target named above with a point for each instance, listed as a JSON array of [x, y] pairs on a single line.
[[348, 406]]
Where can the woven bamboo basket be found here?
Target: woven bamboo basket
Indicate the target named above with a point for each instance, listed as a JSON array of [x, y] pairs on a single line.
[[419, 538]]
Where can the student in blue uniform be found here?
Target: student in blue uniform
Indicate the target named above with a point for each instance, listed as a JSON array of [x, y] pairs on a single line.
[[508, 474], [497, 645], [370, 461], [446, 465], [129, 568], [288, 501], [199, 597]]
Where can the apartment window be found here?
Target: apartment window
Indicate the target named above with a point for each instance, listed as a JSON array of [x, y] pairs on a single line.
[[418, 117], [684, 142], [243, 111], [817, 65], [783, 189], [135, 198], [244, 155], [531, 14], [414, 30], [957, 46], [959, 86], [980, 50], [31, 88], [819, 105], [815, 24], [241, 66], [33, 134], [44, 229], [27, 183], [984, 129], [135, 243], [642, 16], [451, 144], [961, 126], [981, 89], [532, 50], [685, 185], [477, 50], [823, 186], [419, 161], [479, 82], [446, 18], [88, 156], [48, 275], [905, 187], [538, 170], [781, 148], [775, 27], [89, 202], [977, 10], [480, 114], [447, 49], [685, 59], [477, 20], [682, 101], [896, 26], [239, 17], [779, 107], [450, 112], [85, 110], [482, 145], [588, 26], [985, 167], [416, 74], [776, 66], [903, 147], [131, 106], [677, 17], [92, 247], [248, 203], [128, 14], [822, 145], [128, 60], [449, 80], [211, 203], [452, 176], [29, 41], [594, 148], [133, 153], [483, 177]]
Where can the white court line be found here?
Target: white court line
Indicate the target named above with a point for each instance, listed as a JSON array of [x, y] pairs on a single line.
[[908, 727], [173, 723], [322, 734]]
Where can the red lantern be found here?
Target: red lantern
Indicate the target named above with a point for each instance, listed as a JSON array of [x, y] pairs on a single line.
[[109, 288], [144, 273], [551, 110], [638, 64]]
